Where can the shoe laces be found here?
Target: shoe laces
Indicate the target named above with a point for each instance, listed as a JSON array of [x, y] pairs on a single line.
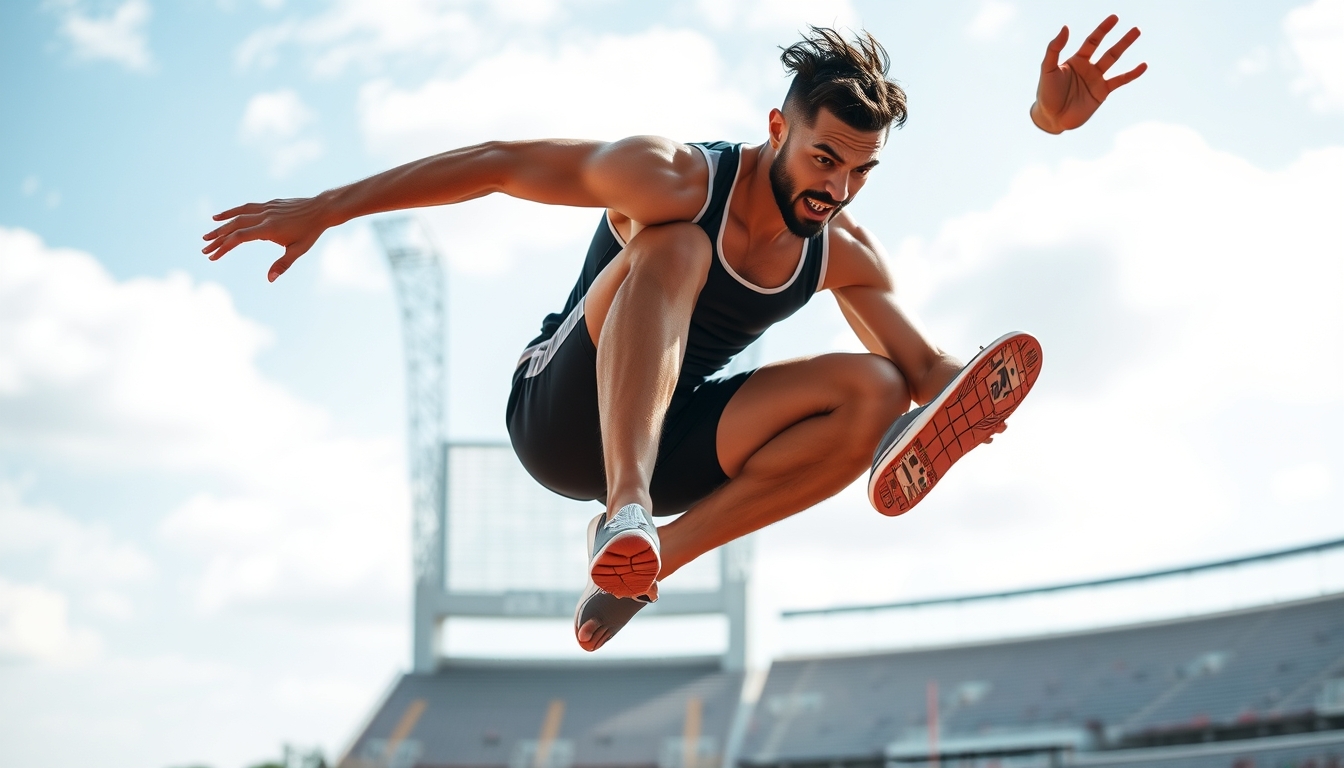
[[626, 518]]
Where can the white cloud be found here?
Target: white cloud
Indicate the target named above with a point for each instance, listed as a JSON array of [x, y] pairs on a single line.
[[86, 553], [276, 115], [350, 258], [777, 14], [670, 83], [120, 37], [1254, 63], [1316, 35], [1306, 482], [363, 33], [990, 19], [34, 626], [1188, 306], [161, 375], [275, 123]]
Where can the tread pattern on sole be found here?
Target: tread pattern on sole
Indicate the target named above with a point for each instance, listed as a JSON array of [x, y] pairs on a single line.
[[990, 392], [628, 566]]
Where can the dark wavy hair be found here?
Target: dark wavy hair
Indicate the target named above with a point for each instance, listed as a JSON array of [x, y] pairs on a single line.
[[848, 78]]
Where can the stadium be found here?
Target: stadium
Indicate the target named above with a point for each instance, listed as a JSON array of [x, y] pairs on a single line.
[[1248, 673]]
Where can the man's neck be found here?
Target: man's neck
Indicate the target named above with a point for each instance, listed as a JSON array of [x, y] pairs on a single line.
[[754, 202]]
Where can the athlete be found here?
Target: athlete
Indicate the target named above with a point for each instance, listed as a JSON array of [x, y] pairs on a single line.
[[700, 249]]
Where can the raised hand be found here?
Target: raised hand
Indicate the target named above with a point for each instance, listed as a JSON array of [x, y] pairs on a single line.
[[1069, 93], [295, 223]]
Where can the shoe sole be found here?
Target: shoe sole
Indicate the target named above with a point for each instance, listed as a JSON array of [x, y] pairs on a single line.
[[626, 566], [982, 395]]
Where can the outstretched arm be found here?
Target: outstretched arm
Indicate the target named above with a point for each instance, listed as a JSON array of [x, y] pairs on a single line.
[[1069, 93], [863, 287], [649, 179]]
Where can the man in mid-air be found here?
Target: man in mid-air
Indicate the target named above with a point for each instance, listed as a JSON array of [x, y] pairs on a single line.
[[700, 249]]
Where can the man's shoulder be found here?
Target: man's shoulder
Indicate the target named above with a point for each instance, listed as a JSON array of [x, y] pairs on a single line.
[[659, 153], [660, 179], [856, 256], [850, 237]]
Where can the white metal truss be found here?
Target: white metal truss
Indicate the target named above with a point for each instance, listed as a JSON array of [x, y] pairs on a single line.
[[419, 278]]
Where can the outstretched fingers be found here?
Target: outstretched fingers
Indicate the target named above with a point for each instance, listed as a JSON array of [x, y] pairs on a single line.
[[222, 245], [1116, 51], [292, 253], [1128, 77], [1093, 40], [239, 211], [1052, 51], [229, 227]]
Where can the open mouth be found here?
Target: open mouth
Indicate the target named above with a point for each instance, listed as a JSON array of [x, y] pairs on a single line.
[[817, 207]]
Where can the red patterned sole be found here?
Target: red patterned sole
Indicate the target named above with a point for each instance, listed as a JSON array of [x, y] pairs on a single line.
[[985, 393], [627, 568]]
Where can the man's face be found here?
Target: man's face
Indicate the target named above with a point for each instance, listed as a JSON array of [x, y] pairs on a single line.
[[819, 168]]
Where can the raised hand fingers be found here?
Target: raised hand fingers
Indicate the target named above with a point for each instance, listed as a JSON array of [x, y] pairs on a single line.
[[1052, 51], [220, 246], [230, 227], [239, 211], [292, 254], [1130, 76], [1117, 50], [1093, 40]]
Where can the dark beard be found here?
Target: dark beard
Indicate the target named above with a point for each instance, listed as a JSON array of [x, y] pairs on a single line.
[[783, 186]]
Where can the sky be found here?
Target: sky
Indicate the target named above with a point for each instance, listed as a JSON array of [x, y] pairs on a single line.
[[204, 521]]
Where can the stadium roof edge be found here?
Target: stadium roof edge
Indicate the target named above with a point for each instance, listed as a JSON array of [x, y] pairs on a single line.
[[1002, 641], [1263, 556]]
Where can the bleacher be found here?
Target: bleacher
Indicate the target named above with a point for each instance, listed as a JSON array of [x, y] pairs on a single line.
[[1317, 750], [1257, 688], [1102, 694], [537, 715]]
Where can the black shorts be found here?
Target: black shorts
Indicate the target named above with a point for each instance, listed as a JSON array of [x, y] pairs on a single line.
[[553, 424]]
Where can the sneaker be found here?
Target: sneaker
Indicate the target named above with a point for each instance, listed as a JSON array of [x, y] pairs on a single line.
[[623, 557], [921, 445], [610, 612]]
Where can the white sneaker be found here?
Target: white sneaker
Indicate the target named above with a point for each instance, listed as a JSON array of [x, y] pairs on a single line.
[[623, 553]]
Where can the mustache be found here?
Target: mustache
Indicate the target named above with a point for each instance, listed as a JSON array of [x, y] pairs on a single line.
[[822, 197]]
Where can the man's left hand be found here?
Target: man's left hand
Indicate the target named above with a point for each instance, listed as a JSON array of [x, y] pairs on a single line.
[[1069, 93]]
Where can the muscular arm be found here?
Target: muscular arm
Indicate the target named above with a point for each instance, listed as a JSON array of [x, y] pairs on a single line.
[[648, 179], [864, 289]]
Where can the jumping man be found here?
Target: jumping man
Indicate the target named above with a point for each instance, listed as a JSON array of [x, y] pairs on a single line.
[[700, 249]]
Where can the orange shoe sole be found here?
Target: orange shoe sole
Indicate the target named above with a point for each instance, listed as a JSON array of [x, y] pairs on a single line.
[[966, 412], [626, 567]]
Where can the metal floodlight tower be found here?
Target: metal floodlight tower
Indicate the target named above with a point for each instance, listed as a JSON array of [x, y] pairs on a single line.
[[418, 275]]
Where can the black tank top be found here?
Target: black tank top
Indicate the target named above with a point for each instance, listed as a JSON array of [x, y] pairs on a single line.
[[730, 312]]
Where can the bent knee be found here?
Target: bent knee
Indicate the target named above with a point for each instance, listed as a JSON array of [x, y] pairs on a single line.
[[878, 392], [679, 251]]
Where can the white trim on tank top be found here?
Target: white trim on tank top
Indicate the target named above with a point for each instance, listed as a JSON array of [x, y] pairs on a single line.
[[825, 257], [723, 224], [539, 355], [710, 160]]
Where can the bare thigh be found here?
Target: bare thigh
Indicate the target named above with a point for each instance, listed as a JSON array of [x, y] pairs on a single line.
[[783, 394]]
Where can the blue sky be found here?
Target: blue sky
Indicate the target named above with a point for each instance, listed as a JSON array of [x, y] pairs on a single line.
[[202, 501]]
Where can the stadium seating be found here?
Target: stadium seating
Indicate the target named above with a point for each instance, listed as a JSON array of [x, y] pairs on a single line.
[[1102, 690], [1314, 751], [1258, 688], [614, 714]]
